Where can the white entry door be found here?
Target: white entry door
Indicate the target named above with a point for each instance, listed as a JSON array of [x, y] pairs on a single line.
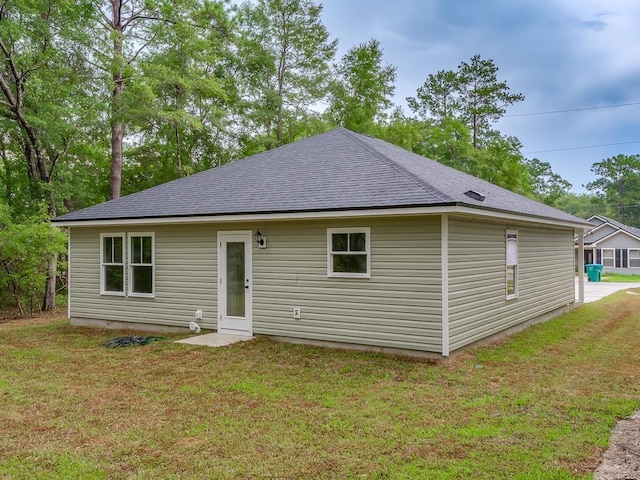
[[234, 283]]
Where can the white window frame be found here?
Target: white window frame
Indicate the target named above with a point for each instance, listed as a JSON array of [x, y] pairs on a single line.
[[516, 283], [331, 253], [131, 265], [613, 257], [103, 264], [629, 250]]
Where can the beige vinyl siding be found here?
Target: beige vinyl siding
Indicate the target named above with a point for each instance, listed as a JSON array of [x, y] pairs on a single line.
[[477, 302], [398, 307], [185, 277]]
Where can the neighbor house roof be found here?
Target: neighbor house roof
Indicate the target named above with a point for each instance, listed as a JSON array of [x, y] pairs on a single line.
[[597, 234], [332, 171]]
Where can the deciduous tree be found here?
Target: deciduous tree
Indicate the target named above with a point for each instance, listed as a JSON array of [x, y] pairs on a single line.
[[364, 87], [43, 102], [618, 183], [284, 65]]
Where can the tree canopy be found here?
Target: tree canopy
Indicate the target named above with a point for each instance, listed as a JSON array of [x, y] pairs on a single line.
[[100, 99]]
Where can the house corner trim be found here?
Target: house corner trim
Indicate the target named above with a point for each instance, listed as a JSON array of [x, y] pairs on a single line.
[[444, 256]]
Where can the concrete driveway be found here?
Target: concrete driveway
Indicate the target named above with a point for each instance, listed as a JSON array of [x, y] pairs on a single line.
[[596, 290]]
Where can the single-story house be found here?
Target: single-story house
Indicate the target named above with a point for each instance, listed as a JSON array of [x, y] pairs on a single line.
[[612, 244], [338, 239]]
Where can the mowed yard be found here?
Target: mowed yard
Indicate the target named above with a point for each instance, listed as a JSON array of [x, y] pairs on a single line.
[[538, 405]]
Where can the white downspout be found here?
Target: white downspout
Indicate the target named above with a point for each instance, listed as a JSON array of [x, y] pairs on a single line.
[[581, 266], [444, 254]]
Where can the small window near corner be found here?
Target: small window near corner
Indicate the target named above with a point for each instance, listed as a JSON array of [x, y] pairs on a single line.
[[349, 252], [634, 258], [512, 264], [112, 259], [141, 264]]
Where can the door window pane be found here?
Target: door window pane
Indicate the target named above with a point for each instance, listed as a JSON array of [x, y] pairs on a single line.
[[235, 279]]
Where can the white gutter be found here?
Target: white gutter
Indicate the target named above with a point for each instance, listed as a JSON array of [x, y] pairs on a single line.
[[378, 212]]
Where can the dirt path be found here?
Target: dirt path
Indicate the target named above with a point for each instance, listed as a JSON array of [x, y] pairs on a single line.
[[621, 461]]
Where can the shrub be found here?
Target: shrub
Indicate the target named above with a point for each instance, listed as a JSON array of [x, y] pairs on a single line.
[[25, 247]]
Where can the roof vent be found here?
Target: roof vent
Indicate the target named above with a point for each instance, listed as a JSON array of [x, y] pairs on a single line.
[[475, 195]]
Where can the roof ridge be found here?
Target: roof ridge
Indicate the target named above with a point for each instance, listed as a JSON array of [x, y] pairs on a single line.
[[428, 188]]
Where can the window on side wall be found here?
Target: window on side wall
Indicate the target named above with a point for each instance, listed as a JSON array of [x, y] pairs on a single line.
[[141, 264], [608, 257], [634, 257], [512, 263], [349, 252], [112, 259]]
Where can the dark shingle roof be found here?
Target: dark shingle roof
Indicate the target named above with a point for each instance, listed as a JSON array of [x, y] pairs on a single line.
[[336, 170], [597, 235]]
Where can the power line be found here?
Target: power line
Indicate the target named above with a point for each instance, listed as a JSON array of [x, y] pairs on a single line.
[[583, 147], [572, 110]]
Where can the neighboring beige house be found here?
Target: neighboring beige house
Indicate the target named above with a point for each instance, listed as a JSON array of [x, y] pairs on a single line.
[[338, 239], [612, 244]]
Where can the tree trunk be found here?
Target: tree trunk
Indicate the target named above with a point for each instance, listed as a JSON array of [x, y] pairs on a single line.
[[49, 301], [178, 152], [115, 184], [282, 68], [475, 131]]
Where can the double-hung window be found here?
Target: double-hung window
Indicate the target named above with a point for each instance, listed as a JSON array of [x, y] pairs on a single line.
[[112, 259], [512, 263], [609, 257], [634, 257], [349, 252], [141, 264]]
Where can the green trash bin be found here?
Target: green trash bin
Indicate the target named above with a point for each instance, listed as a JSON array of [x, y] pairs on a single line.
[[594, 272]]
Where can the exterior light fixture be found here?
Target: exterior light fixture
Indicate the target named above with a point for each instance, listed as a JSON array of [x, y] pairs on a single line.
[[260, 240]]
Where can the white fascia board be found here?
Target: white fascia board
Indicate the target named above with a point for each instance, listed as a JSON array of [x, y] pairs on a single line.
[[378, 212]]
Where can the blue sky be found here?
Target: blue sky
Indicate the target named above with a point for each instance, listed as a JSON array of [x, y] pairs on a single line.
[[561, 54]]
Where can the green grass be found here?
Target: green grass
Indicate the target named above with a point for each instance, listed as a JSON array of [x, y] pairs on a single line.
[[615, 277], [538, 405]]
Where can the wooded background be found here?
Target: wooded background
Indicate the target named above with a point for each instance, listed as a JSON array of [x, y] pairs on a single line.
[[105, 98]]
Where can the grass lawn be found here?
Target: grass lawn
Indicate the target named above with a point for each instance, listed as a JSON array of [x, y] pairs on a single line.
[[539, 405], [614, 277]]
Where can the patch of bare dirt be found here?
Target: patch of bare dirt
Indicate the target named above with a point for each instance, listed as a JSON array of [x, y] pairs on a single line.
[[621, 461]]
